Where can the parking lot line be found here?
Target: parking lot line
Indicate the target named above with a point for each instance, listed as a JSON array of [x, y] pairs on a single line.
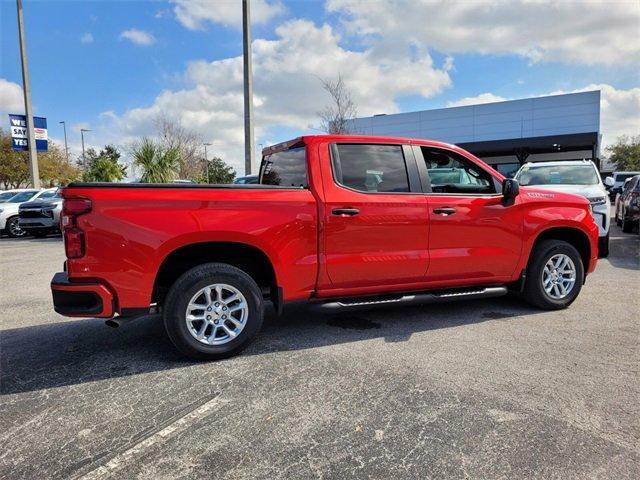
[[131, 454]]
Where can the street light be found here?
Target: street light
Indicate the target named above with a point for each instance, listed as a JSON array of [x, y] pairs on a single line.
[[66, 147], [206, 159], [82, 130]]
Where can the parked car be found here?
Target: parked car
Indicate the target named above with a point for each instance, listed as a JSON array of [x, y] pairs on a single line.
[[615, 181], [580, 177], [42, 216], [247, 180], [318, 230], [630, 205], [618, 203], [7, 194], [9, 210]]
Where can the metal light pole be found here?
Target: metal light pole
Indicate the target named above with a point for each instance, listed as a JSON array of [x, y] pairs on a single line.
[[248, 87], [66, 147], [206, 159], [28, 111], [82, 130]]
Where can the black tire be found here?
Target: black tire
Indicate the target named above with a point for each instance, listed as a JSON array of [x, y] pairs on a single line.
[[627, 225], [603, 246], [13, 228], [181, 292], [534, 292]]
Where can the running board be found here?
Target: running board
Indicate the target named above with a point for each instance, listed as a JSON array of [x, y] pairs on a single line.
[[359, 303]]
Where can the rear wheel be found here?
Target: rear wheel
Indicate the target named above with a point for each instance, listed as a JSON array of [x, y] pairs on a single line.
[[554, 275], [13, 228], [627, 225], [213, 311]]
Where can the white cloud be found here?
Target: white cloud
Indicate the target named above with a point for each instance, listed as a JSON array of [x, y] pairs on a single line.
[[482, 98], [11, 99], [593, 32], [193, 14], [139, 37], [288, 92], [86, 38]]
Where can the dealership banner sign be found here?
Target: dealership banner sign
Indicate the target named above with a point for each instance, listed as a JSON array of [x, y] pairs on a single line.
[[19, 138]]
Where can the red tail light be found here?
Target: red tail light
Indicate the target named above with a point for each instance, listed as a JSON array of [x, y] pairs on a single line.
[[72, 208]]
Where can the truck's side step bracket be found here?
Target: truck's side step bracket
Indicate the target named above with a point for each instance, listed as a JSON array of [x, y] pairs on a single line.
[[437, 296]]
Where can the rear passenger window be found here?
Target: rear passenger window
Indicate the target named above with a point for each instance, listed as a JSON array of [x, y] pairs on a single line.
[[287, 168], [371, 168]]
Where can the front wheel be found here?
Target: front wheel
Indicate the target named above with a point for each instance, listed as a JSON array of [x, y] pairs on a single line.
[[603, 246], [554, 275], [213, 311], [13, 228]]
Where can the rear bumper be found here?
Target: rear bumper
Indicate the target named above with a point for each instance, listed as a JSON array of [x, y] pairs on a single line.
[[91, 299]]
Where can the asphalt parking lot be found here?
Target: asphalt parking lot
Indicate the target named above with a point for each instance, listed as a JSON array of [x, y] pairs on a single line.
[[483, 389]]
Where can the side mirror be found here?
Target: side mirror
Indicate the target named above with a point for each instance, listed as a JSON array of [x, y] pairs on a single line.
[[609, 182], [510, 190]]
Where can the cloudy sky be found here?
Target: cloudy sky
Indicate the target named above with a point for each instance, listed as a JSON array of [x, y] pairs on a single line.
[[113, 66]]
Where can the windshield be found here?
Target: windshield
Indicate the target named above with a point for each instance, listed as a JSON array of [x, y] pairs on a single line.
[[21, 197], [558, 175], [621, 177], [4, 196]]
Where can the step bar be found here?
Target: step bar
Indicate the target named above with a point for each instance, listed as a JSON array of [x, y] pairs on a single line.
[[439, 296]]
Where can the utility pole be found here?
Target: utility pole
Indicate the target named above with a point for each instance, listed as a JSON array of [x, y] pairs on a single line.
[[206, 159], [66, 147], [248, 87], [82, 130], [28, 111]]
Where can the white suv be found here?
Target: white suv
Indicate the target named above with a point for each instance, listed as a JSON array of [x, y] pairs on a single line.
[[580, 177]]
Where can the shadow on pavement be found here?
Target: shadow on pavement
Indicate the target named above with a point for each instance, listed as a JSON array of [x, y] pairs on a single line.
[[625, 249], [79, 351]]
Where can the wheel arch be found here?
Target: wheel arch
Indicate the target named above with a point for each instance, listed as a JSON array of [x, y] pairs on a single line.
[[248, 258], [572, 235]]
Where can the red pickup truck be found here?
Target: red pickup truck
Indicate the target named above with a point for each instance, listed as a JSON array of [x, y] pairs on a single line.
[[340, 222]]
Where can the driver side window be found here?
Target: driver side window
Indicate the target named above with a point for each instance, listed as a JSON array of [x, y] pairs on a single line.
[[452, 173]]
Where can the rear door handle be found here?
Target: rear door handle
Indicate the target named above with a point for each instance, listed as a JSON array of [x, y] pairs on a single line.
[[345, 211], [445, 211]]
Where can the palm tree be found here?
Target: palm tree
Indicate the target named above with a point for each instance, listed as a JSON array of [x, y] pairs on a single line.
[[158, 165], [104, 170]]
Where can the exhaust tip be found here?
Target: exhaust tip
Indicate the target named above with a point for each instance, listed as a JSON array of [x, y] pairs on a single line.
[[112, 323]]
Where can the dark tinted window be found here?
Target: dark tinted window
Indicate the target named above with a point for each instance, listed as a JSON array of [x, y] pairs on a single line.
[[22, 197], [371, 168], [288, 168], [452, 173]]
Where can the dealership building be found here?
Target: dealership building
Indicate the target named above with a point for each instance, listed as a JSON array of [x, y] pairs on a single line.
[[505, 134]]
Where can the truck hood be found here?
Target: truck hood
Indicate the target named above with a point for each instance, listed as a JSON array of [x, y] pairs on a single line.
[[554, 195], [41, 204], [587, 191]]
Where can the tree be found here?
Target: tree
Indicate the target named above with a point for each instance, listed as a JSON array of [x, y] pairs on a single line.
[[103, 166], [625, 153], [187, 143], [219, 172], [158, 164], [54, 168], [14, 166], [337, 117]]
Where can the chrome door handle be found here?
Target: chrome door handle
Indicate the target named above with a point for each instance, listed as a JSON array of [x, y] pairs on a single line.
[[444, 211], [345, 211]]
